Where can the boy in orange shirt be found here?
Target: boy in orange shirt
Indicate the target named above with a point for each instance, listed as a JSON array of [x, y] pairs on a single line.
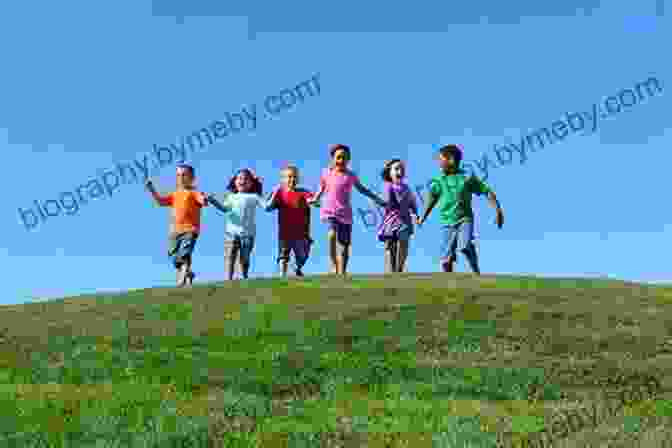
[[186, 203]]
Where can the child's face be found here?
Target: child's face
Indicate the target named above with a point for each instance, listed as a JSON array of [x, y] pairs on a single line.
[[341, 158], [397, 171], [446, 163], [290, 178], [184, 178], [243, 182]]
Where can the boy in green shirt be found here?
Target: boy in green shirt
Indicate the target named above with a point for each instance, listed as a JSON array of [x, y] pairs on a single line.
[[452, 191]]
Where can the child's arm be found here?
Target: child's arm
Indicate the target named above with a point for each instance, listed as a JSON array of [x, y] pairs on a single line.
[[271, 203], [499, 219], [160, 200], [218, 205], [481, 187], [432, 199], [414, 206], [315, 198], [369, 194]]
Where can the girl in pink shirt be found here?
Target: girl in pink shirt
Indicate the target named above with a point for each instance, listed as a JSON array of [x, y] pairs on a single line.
[[337, 182]]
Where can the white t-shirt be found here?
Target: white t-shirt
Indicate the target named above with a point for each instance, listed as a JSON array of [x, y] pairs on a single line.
[[240, 221]]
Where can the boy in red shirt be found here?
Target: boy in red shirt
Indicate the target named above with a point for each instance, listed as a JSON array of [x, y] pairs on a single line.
[[186, 203], [293, 220]]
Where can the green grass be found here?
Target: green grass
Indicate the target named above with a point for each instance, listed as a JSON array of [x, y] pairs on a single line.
[[287, 378]]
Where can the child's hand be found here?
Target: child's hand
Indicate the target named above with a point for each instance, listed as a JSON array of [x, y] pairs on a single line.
[[499, 219]]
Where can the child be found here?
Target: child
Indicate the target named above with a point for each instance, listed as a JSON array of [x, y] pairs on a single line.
[[397, 226], [186, 203], [337, 182], [453, 191], [240, 229], [293, 220]]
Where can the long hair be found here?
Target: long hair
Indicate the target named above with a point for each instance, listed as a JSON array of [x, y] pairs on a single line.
[[385, 173], [257, 186]]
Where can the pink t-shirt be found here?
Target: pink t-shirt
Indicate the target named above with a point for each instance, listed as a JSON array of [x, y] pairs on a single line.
[[338, 189]]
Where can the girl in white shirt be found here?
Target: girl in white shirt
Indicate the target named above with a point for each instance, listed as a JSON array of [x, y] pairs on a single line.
[[240, 206]]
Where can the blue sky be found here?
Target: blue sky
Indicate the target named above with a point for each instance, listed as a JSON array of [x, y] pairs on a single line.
[[84, 87]]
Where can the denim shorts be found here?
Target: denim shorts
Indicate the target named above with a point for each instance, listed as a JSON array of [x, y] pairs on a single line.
[[241, 246], [182, 247], [458, 237], [301, 249], [343, 231]]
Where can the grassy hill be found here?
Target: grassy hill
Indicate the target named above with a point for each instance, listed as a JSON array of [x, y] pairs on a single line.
[[416, 360]]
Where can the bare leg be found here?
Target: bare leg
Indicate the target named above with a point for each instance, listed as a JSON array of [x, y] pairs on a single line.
[[244, 267], [391, 256], [472, 258], [447, 265], [332, 252], [231, 268], [284, 264], [402, 255], [345, 257]]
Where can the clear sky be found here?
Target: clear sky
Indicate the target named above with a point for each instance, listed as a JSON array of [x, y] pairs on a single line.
[[85, 87]]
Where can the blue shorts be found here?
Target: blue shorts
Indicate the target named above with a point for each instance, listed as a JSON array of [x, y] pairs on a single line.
[[343, 231], [459, 237], [182, 247]]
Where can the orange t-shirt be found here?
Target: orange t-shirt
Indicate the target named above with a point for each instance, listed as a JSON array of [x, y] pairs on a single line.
[[187, 210]]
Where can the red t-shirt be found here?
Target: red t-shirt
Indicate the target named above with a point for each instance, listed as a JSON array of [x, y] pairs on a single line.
[[293, 214]]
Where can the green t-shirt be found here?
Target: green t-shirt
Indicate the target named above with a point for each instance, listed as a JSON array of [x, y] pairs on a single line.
[[454, 192]]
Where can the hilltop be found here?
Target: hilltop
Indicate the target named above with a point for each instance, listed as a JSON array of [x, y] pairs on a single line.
[[406, 360]]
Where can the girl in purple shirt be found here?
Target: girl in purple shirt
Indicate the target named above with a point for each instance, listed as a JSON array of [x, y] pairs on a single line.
[[397, 226], [336, 184]]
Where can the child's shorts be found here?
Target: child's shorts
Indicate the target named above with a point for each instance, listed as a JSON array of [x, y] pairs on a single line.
[[343, 231], [240, 245], [459, 237], [182, 247], [301, 249]]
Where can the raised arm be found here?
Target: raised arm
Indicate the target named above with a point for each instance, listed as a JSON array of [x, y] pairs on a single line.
[[160, 200]]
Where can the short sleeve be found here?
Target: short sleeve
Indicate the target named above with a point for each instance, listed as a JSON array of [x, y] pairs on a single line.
[[435, 187], [200, 199], [167, 200], [478, 186]]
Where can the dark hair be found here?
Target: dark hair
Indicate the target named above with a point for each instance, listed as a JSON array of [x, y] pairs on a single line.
[[334, 148], [256, 182], [385, 174], [189, 167], [453, 151]]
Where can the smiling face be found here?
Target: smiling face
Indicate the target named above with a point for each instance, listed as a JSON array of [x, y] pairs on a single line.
[[243, 182], [290, 177], [447, 163], [341, 158], [184, 178], [397, 171]]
